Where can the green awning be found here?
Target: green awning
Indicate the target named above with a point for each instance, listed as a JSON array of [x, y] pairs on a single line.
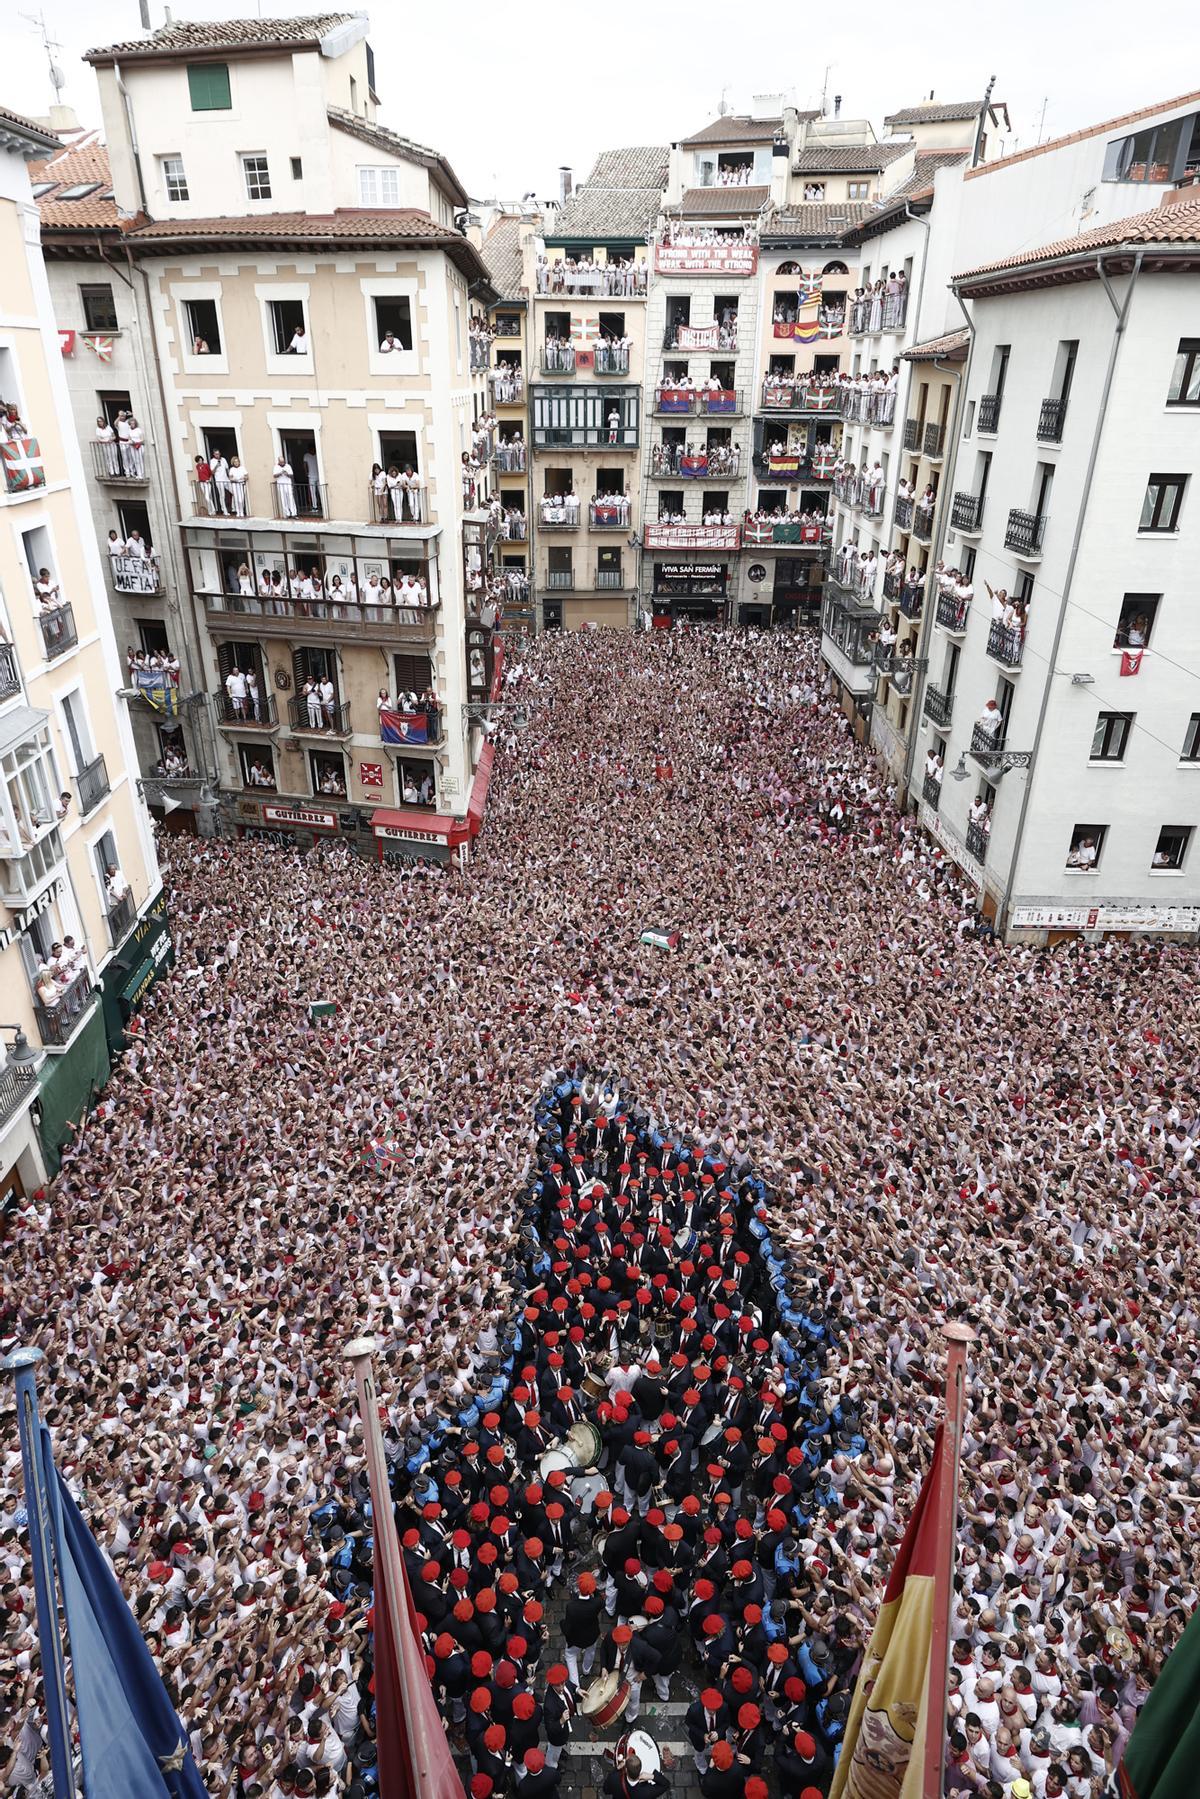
[[139, 982]]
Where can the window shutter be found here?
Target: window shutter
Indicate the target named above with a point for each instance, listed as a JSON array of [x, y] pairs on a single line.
[[413, 673], [208, 86]]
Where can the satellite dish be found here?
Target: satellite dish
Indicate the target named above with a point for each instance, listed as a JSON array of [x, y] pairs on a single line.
[[58, 80]]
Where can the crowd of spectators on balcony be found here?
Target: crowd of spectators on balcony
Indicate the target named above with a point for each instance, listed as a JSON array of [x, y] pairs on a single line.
[[712, 458], [855, 568], [621, 277], [1009, 619], [687, 383], [508, 383], [221, 484], [880, 306], [726, 329], [162, 663], [718, 515], [122, 447], [321, 590], [691, 236], [397, 493], [173, 764], [514, 526], [614, 507], [862, 487], [559, 509], [59, 972], [955, 593]]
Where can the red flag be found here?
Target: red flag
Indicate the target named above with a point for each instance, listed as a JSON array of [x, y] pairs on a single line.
[[414, 1756], [1131, 661]]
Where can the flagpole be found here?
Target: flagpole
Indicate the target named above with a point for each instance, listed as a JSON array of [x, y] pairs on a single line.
[[22, 1365], [957, 1336]]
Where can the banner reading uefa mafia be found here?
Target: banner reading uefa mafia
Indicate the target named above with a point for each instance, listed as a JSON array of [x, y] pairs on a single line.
[[884, 1746]]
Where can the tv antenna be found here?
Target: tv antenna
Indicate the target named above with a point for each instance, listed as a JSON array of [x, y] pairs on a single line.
[[58, 80]]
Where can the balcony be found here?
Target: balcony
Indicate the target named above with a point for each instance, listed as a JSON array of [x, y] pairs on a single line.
[[480, 350], [299, 499], [966, 513], [558, 515], [799, 396], [977, 841], [122, 916], [870, 498], [952, 614], [719, 463], [211, 501], [912, 599], [91, 784], [10, 672], [985, 743], [1005, 644], [671, 402], [611, 360], [1050, 421], [931, 792], [18, 1084], [136, 574], [509, 327], [334, 720], [912, 433], [893, 585], [608, 515], [989, 414], [508, 387], [867, 406], [938, 706], [895, 311], [791, 467], [510, 457], [247, 714], [56, 1022], [58, 631], [557, 359], [120, 466], [348, 620], [665, 536], [878, 312], [514, 528], [760, 533], [609, 580], [560, 580], [610, 281], [904, 515], [833, 316], [922, 524], [1024, 533], [398, 505], [716, 340], [935, 442]]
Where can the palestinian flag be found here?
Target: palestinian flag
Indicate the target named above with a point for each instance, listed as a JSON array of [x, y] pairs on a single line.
[[1163, 1754], [885, 1733]]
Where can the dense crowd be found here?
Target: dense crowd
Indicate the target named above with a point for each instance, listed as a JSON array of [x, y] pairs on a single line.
[[944, 1127]]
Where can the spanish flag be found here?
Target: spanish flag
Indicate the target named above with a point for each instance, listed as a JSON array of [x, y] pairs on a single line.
[[885, 1733], [1162, 1755]]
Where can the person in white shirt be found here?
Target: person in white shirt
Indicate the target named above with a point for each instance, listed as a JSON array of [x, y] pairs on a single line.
[[299, 343], [110, 456], [235, 687], [115, 884], [285, 487]]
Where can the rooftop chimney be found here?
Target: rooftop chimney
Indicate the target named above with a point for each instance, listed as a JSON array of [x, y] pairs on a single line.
[[837, 106], [564, 184]]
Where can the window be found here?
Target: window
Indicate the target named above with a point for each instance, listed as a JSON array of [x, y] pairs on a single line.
[[585, 416], [1185, 381], [208, 87], [379, 187], [111, 402], [1172, 848], [78, 190], [43, 187], [287, 318], [328, 774], [174, 178], [297, 168], [258, 765], [99, 307], [1154, 156], [414, 674], [1087, 841], [257, 176], [204, 327], [1191, 740], [105, 852], [1164, 497], [393, 318], [1110, 736], [78, 734], [858, 190], [1135, 621]]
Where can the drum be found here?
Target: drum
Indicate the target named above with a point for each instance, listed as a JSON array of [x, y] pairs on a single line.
[[584, 1443], [553, 1459], [605, 1699], [594, 1386], [584, 1488], [639, 1743], [716, 1429]]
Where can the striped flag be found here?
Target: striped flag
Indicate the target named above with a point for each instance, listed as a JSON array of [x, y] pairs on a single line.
[[23, 466]]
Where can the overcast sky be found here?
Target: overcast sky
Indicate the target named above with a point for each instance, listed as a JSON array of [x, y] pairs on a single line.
[[508, 92]]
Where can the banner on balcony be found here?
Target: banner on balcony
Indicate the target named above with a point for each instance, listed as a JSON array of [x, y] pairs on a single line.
[[691, 537], [585, 361], [23, 466], [584, 327], [675, 399], [784, 465], [819, 399], [100, 346], [693, 465], [158, 690], [721, 399], [403, 727], [1131, 661], [698, 337], [706, 259]]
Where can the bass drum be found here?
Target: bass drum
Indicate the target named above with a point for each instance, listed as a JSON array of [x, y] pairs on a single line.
[[639, 1743], [585, 1443], [584, 1488], [554, 1459], [595, 1386], [604, 1700]]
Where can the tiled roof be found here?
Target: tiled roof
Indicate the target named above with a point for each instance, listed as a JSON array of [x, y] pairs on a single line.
[[815, 218], [953, 345], [28, 128], [380, 138], [730, 130], [1077, 137], [849, 159], [1177, 224], [95, 212], [931, 114], [190, 36], [620, 198], [74, 163], [347, 226], [502, 254], [723, 202]]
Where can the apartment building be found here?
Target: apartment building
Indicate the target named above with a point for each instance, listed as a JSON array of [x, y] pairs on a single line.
[[589, 352], [299, 293], [505, 350], [83, 933], [1064, 704]]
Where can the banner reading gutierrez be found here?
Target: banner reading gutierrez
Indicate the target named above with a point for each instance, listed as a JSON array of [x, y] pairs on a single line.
[[885, 1732]]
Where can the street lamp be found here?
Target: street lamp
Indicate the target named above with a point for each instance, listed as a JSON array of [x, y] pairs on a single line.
[[20, 1055]]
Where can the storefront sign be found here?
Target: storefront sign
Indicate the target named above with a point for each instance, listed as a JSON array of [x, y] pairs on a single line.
[[706, 259], [302, 817], [691, 537], [24, 919], [1106, 918], [408, 836]]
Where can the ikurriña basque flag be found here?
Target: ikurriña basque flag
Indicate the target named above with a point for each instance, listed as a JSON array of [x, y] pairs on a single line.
[[133, 1745], [1162, 1757], [884, 1745]]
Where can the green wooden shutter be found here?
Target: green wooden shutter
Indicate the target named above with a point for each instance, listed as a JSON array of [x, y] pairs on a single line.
[[208, 86]]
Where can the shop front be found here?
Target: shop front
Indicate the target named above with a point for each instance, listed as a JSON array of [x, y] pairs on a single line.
[[298, 825], [147, 952], [691, 592]]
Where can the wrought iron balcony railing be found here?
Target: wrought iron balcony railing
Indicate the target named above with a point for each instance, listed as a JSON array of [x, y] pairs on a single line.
[[966, 512], [1024, 532], [1050, 421], [938, 705], [989, 413]]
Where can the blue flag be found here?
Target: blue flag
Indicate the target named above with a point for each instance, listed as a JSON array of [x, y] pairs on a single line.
[[132, 1743]]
